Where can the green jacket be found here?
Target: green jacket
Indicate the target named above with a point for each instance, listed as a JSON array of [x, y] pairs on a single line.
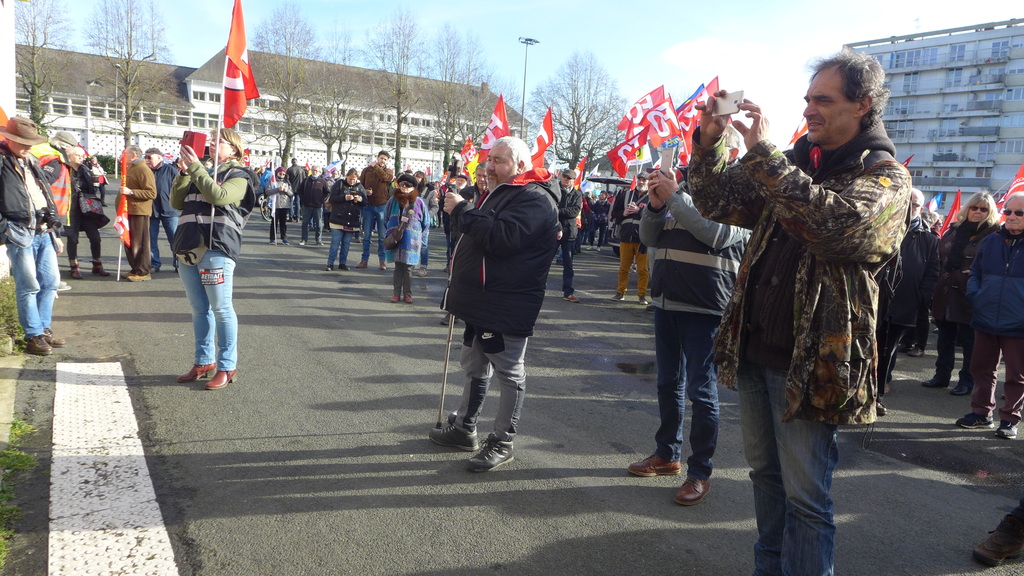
[[851, 219]]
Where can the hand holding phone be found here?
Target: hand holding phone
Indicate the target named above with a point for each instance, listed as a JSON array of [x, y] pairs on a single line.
[[728, 103]]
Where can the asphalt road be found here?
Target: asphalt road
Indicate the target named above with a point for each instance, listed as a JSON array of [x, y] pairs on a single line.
[[316, 461]]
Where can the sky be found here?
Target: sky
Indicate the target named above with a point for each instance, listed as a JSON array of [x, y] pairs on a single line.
[[760, 47]]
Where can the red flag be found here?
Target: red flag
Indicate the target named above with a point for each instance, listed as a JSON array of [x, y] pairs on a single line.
[[469, 153], [1016, 186], [632, 185], [951, 215], [906, 163], [689, 118], [239, 83], [635, 114], [544, 139], [800, 131], [121, 220], [497, 128], [663, 122], [579, 172], [623, 153]]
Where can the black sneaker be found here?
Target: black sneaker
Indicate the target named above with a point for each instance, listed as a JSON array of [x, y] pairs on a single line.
[[455, 437], [972, 420], [1006, 430], [494, 454]]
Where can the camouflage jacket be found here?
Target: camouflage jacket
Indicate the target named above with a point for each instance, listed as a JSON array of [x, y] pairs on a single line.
[[851, 219]]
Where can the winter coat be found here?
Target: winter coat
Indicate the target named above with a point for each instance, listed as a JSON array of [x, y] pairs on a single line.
[[417, 228], [919, 264], [346, 214], [950, 303], [849, 215], [569, 209], [996, 285], [502, 255]]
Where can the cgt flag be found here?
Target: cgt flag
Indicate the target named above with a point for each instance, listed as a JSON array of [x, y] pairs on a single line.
[[633, 119], [579, 173], [622, 155], [121, 220], [497, 128], [239, 83], [1016, 186], [544, 139]]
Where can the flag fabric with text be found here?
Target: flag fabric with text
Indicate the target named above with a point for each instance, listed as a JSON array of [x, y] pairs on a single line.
[[634, 116], [544, 139], [663, 122], [579, 172], [497, 128], [951, 215], [121, 220], [470, 159], [624, 153], [239, 83]]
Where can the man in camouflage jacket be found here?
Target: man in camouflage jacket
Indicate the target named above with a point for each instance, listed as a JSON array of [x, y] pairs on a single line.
[[798, 336]]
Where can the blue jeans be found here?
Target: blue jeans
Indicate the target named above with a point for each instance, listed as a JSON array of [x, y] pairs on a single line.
[[682, 345], [373, 219], [566, 247], [212, 311], [312, 217], [170, 224], [34, 269], [791, 470], [508, 368], [343, 240]]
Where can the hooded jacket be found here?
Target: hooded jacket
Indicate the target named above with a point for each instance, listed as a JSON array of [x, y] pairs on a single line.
[[996, 285], [847, 215], [502, 255]]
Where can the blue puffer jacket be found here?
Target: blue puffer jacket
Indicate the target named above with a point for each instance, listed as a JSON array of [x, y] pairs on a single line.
[[996, 285]]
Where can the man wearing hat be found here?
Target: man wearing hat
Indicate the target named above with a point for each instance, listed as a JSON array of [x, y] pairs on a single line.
[[626, 213], [28, 226], [569, 210]]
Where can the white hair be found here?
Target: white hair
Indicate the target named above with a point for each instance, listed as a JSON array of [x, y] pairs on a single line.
[[76, 151], [520, 151]]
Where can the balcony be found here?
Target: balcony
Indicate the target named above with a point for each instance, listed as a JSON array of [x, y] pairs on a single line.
[[955, 182], [979, 79], [980, 131], [985, 105]]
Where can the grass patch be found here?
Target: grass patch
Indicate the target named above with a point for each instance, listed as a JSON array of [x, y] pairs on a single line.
[[9, 324], [12, 462]]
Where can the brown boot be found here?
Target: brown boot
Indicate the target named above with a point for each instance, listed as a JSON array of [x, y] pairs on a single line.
[[37, 345], [1006, 541], [97, 268], [75, 272]]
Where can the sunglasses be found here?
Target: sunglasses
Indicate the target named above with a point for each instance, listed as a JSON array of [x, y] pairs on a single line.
[[979, 208], [1017, 213]]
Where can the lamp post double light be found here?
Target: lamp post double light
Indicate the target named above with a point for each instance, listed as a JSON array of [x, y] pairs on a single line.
[[526, 54]]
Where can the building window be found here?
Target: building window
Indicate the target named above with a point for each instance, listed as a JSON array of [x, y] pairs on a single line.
[[919, 57], [200, 96], [982, 172], [214, 97], [1011, 147], [902, 106], [954, 77], [910, 82], [917, 173], [987, 151], [942, 173], [900, 128], [1001, 49], [1013, 121], [1015, 93], [949, 127], [958, 52]]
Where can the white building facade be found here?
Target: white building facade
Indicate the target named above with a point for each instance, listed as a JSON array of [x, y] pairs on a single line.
[[956, 105]]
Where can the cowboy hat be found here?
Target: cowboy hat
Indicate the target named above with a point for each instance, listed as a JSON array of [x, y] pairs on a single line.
[[23, 131]]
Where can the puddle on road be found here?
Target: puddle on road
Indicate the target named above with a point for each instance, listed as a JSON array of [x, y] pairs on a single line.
[[641, 368]]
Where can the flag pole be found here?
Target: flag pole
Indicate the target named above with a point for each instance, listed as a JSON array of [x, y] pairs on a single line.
[[216, 140]]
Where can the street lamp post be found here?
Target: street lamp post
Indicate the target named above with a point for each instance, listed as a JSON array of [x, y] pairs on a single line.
[[117, 80], [526, 54]]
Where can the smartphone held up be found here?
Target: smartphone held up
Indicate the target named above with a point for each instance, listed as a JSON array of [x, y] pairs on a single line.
[[728, 103]]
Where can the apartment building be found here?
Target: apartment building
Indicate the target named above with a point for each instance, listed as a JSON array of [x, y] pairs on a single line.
[[956, 107]]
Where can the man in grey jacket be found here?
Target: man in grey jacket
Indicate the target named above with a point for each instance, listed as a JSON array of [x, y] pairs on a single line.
[[694, 271]]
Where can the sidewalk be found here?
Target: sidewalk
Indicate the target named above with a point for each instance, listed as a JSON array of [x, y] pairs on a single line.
[[10, 370]]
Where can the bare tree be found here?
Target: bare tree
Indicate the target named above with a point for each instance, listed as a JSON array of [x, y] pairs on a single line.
[[39, 27], [289, 49], [586, 106], [130, 36], [458, 98], [334, 112], [394, 49]]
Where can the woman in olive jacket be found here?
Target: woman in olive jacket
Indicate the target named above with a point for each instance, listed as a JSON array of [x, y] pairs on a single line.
[[950, 307]]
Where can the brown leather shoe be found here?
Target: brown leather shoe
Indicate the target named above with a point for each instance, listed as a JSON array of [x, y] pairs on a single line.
[[222, 379], [53, 342], [693, 491], [654, 466], [1006, 541], [198, 371], [37, 345], [361, 264]]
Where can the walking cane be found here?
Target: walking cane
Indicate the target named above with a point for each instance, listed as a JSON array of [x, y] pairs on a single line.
[[444, 377]]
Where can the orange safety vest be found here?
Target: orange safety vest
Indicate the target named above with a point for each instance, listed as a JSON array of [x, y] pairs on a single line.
[[61, 188]]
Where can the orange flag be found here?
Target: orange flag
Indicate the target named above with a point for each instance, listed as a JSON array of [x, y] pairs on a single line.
[[239, 83], [951, 215]]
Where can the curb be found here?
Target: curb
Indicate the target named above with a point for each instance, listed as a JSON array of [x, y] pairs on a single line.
[[10, 370]]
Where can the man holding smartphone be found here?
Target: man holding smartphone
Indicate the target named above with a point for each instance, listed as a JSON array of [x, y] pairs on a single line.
[[377, 179], [797, 337]]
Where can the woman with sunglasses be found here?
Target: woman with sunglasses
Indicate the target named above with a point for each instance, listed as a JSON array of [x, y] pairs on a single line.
[[950, 306]]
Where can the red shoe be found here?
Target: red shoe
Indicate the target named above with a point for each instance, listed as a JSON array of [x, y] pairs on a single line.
[[654, 466], [222, 379], [408, 299], [198, 371], [393, 299]]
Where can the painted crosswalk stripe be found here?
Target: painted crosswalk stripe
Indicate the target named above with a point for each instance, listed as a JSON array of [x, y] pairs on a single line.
[[104, 517]]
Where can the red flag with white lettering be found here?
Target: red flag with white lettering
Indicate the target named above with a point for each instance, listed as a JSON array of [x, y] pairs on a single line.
[[544, 139], [634, 116], [579, 172], [1016, 186], [623, 153], [239, 83], [121, 220], [497, 128], [663, 122]]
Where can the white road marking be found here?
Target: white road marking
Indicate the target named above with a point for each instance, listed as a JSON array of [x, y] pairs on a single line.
[[104, 517]]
